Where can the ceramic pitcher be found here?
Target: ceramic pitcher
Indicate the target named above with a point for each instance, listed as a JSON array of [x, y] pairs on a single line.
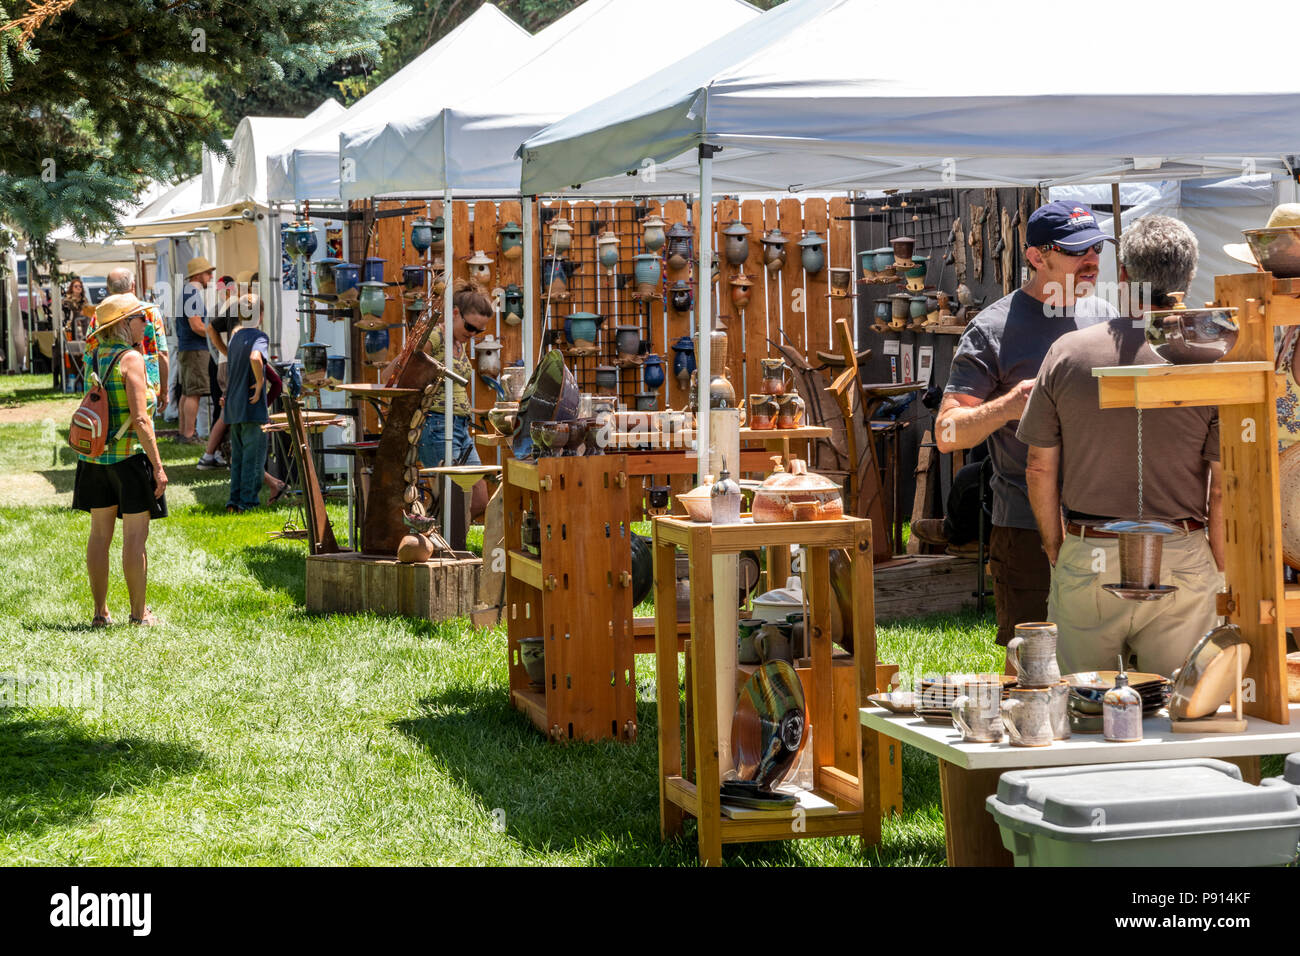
[[1033, 651]]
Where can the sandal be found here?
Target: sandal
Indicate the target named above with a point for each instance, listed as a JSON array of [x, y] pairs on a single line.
[[101, 620], [284, 490], [147, 621]]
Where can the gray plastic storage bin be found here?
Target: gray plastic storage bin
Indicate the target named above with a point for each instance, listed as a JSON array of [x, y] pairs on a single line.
[[1290, 776], [1158, 813]]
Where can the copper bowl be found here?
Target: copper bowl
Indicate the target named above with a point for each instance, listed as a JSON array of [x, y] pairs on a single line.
[[1277, 249], [549, 438], [1188, 336]]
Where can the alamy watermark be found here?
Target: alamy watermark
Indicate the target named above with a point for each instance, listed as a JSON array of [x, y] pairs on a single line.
[[70, 690]]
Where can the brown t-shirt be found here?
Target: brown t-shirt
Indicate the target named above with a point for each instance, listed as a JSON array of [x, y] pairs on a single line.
[[1099, 446]]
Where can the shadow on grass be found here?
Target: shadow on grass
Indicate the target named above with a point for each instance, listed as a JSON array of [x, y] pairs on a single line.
[[52, 771], [600, 797], [276, 568]]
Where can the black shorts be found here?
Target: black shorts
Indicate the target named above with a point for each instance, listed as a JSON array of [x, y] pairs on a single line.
[[126, 485]]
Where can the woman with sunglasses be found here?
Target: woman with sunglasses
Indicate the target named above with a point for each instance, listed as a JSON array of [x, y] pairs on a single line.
[[471, 313]]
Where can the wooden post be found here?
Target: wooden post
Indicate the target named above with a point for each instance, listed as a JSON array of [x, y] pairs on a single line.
[[708, 777], [670, 728]]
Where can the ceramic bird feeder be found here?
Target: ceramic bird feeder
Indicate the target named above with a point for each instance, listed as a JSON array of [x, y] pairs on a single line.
[[488, 353], [774, 250], [480, 266], [438, 233], [413, 277], [683, 360], [652, 372], [607, 251], [297, 237], [679, 246], [812, 254], [510, 238], [741, 290], [561, 235], [841, 282], [736, 242], [512, 304], [373, 270], [649, 268], [373, 299], [421, 234], [653, 233]]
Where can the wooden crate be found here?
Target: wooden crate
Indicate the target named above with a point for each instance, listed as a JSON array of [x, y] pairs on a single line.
[[351, 583]]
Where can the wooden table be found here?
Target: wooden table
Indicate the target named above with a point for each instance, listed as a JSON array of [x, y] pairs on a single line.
[[969, 772]]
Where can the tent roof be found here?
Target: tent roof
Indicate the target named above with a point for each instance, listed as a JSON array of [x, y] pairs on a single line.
[[256, 138], [795, 106], [309, 167], [470, 143]]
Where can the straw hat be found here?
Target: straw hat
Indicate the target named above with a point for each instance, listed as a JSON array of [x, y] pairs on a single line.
[[245, 277], [1287, 214], [116, 308], [197, 266]]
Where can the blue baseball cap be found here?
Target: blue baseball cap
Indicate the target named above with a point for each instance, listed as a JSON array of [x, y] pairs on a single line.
[[1070, 225]]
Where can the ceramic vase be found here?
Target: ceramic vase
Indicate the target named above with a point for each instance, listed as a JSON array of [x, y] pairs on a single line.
[[510, 239], [652, 372]]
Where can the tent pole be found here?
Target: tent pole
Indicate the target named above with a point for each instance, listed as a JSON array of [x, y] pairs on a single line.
[[448, 325], [1114, 205], [703, 305], [530, 266]]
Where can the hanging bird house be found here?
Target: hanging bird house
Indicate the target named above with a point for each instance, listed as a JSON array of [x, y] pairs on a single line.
[[647, 271], [413, 277], [679, 246], [510, 237], [480, 266], [438, 234], [736, 242], [607, 251], [812, 254], [513, 304], [680, 296], [373, 271], [841, 282], [741, 289], [774, 250], [561, 235], [653, 233], [421, 234], [373, 299]]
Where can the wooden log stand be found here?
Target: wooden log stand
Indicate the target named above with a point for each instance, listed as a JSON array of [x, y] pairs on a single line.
[[857, 793]]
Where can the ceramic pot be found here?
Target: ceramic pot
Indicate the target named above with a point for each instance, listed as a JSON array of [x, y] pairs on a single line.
[[1027, 717], [376, 343], [741, 290], [549, 438], [918, 308], [561, 235], [336, 367], [774, 250], [762, 412], [1033, 651], [735, 242], [867, 263], [678, 251], [903, 247], [345, 276], [512, 304], [796, 495], [1187, 336], [532, 654], [977, 712], [373, 300], [652, 372], [513, 379], [414, 549], [882, 260], [510, 240], [627, 339], [883, 309], [580, 329], [606, 380], [811, 254], [374, 269], [775, 373], [421, 234], [680, 296], [646, 401], [314, 357], [789, 411], [607, 251], [488, 353], [326, 284], [841, 282], [413, 277], [683, 360], [647, 271], [652, 235], [746, 652]]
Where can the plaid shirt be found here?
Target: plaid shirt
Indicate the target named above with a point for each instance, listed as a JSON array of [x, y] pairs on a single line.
[[460, 364], [154, 341], [119, 410]]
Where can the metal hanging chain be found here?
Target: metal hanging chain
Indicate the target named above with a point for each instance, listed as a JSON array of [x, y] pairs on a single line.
[[1140, 469]]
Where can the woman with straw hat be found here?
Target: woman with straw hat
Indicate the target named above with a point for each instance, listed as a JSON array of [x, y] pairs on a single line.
[[127, 479]]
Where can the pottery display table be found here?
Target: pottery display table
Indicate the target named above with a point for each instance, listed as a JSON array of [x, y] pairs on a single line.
[[969, 772]]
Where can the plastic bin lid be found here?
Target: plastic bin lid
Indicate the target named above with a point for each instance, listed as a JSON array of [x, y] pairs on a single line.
[[1139, 799], [1291, 774]]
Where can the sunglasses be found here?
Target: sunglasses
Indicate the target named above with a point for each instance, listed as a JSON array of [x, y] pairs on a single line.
[[473, 329], [1076, 253]]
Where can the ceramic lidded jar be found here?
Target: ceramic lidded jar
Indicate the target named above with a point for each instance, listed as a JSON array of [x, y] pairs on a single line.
[[774, 250], [652, 372], [561, 235], [607, 250], [374, 269], [653, 233], [679, 246], [812, 254], [796, 495], [736, 242], [373, 299], [510, 237]]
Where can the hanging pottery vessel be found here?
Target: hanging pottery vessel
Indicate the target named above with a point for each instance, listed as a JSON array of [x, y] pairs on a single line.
[[315, 357], [580, 329], [680, 296], [627, 339], [741, 290], [812, 254], [903, 247], [373, 300], [480, 266], [646, 401], [346, 275], [606, 380], [376, 344], [307, 240], [841, 282], [774, 250], [437, 234], [736, 242], [607, 251], [652, 372], [413, 277], [918, 308], [510, 239], [883, 311], [325, 281], [900, 307], [679, 246], [917, 269], [488, 353], [647, 272], [556, 271], [291, 239], [652, 236], [374, 269], [421, 234], [512, 304], [721, 392], [683, 360], [883, 261], [561, 236]]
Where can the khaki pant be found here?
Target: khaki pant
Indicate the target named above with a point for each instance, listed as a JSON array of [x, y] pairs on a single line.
[[1096, 627]]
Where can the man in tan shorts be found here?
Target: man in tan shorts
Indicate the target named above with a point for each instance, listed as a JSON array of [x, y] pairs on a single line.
[[1083, 471]]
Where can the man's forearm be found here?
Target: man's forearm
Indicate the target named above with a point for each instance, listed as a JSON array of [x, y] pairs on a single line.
[[966, 426], [1218, 532], [1045, 502]]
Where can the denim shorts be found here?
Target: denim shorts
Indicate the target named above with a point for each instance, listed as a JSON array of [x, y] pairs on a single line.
[[431, 442]]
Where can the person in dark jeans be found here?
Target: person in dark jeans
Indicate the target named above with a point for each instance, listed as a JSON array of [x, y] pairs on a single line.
[[245, 410]]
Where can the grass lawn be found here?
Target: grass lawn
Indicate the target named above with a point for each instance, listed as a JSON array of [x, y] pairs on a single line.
[[245, 731]]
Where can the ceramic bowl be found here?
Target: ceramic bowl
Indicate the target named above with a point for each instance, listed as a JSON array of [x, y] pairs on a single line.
[[532, 654], [549, 438], [1187, 336], [1277, 249]]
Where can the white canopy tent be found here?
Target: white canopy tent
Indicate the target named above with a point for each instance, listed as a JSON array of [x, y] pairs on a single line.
[[792, 107], [308, 169]]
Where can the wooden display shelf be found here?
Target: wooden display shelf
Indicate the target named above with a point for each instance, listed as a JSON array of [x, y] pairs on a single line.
[[856, 795], [1178, 386]]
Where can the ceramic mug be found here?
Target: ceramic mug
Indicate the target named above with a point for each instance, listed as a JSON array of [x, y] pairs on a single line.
[[978, 712], [789, 411], [746, 652], [1033, 651], [775, 372], [1060, 692], [1027, 717], [762, 411]]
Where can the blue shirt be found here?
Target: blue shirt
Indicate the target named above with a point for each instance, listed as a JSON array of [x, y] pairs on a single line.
[[192, 303], [239, 377]]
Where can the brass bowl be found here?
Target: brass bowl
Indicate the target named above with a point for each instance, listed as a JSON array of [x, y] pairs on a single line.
[[1188, 336], [504, 419], [1277, 249]]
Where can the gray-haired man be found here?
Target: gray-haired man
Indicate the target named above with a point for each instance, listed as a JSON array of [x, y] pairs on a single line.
[[154, 345], [1082, 471]]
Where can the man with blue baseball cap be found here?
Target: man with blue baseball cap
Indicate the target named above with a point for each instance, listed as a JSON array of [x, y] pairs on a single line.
[[992, 374]]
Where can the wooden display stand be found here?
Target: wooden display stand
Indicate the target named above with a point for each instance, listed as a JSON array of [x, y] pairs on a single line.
[[857, 795], [577, 595], [1258, 601]]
